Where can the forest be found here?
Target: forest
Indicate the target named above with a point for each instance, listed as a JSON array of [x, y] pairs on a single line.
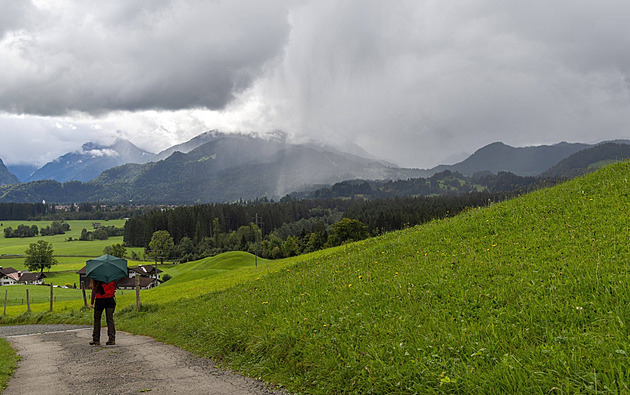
[[282, 229]]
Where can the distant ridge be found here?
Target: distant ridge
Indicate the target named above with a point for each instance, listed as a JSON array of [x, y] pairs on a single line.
[[589, 160], [216, 167], [6, 177], [190, 145], [22, 171], [233, 167], [522, 161], [226, 168], [87, 163]]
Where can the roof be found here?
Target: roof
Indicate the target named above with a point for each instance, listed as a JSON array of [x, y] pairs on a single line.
[[20, 276], [29, 277], [7, 270], [128, 282], [145, 270]]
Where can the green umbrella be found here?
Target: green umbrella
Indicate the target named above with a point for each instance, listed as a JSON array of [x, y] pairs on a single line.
[[106, 268]]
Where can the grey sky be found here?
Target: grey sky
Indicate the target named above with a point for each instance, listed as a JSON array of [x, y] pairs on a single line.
[[415, 82]]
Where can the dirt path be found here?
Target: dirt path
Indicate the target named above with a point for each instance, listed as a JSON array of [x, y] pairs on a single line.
[[64, 363]]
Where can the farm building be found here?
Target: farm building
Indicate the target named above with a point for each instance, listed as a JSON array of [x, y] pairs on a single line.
[[10, 276], [149, 277]]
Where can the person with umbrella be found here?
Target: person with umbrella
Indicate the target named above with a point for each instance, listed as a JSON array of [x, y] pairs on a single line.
[[103, 273]]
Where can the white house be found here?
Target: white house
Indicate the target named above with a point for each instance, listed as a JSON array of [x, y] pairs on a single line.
[[10, 276]]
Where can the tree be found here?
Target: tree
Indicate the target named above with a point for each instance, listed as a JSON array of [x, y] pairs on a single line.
[[39, 256], [347, 230], [186, 250], [161, 245], [85, 235], [100, 234], [290, 247], [117, 250]]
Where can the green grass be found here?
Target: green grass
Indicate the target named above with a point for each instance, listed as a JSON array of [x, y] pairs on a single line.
[[16, 295], [71, 255], [60, 244], [527, 296], [601, 163], [8, 363]]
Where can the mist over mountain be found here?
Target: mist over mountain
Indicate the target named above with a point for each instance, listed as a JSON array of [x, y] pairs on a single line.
[[233, 167], [221, 168], [189, 145], [22, 170], [6, 177], [87, 163], [217, 167]]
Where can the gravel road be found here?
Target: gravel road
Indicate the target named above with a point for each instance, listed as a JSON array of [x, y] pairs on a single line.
[[57, 359]]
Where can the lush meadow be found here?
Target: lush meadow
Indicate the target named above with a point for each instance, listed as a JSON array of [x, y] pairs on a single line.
[[60, 243], [526, 296], [71, 255]]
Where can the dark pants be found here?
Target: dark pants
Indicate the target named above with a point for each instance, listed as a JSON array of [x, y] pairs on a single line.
[[109, 307]]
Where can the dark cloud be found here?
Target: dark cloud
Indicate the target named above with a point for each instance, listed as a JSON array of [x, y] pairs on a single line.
[[416, 81], [97, 57]]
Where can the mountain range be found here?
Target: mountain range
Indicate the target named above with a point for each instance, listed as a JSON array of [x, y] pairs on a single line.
[[218, 167], [90, 161], [522, 161]]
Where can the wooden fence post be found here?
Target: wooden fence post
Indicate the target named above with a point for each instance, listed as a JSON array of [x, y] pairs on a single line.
[[28, 302], [6, 295], [137, 292], [51, 297], [84, 297]]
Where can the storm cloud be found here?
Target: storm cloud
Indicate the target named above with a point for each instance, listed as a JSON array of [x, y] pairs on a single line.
[[95, 56], [415, 82], [409, 80]]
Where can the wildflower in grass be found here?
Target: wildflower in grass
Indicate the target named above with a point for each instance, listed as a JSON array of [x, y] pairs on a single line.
[[360, 277], [349, 285], [579, 308], [265, 302]]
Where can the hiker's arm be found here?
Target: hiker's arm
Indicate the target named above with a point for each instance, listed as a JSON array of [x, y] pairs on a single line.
[[92, 297]]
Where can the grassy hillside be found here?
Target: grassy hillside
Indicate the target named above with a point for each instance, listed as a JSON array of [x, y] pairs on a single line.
[[526, 296]]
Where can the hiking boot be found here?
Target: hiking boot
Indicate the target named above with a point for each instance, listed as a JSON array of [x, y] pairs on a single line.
[[110, 342], [95, 343]]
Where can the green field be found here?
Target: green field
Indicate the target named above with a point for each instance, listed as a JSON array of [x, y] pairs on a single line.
[[527, 296], [71, 255], [61, 246]]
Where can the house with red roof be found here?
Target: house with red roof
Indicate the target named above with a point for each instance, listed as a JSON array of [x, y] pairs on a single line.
[[11, 276]]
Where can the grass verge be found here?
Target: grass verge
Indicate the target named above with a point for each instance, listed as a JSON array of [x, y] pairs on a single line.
[[8, 362]]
